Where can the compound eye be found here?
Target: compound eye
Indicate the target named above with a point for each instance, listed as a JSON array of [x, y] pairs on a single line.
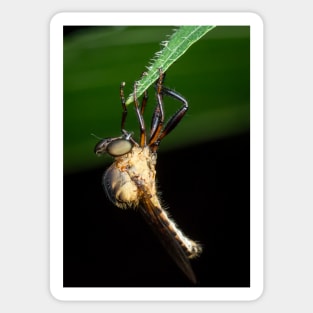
[[119, 147]]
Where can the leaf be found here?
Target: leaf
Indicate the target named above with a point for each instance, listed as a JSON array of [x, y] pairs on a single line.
[[173, 49]]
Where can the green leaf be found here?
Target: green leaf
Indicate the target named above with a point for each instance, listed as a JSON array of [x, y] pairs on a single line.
[[173, 49]]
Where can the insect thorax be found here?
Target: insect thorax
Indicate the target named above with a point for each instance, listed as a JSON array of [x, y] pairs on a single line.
[[131, 173]]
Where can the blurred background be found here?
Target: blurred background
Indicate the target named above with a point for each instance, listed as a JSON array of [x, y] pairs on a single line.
[[203, 166]]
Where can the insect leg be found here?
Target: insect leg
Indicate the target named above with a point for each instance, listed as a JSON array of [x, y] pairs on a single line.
[[157, 134], [176, 118], [124, 114], [158, 115], [142, 141], [144, 99]]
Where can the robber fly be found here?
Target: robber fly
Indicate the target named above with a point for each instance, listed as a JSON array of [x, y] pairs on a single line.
[[130, 181]]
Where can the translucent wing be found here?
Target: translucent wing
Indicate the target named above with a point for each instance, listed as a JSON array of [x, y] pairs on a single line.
[[153, 216]]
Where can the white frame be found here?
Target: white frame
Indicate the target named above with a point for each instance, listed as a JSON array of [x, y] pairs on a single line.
[[56, 156]]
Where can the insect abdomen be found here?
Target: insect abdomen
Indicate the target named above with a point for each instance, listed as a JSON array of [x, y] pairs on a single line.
[[191, 248]]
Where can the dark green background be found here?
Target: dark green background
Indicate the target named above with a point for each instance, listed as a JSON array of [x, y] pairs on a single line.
[[203, 166], [213, 75]]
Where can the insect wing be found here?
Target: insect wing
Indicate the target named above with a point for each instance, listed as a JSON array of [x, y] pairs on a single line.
[[151, 214]]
